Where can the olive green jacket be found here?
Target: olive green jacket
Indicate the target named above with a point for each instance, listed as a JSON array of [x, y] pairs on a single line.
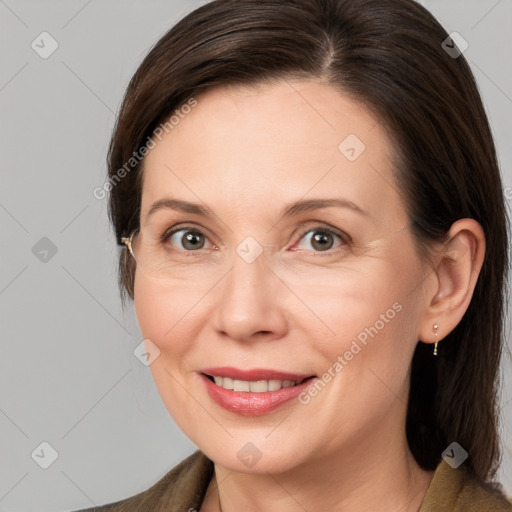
[[183, 488]]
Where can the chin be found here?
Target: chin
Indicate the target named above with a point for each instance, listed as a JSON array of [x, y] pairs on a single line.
[[253, 460]]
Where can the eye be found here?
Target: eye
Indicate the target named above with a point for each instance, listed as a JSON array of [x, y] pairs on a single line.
[[191, 239], [321, 238]]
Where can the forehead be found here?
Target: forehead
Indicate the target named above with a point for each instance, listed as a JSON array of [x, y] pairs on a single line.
[[294, 115], [258, 145]]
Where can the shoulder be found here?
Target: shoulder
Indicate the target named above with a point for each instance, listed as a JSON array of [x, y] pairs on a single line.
[[182, 488], [453, 490], [477, 496]]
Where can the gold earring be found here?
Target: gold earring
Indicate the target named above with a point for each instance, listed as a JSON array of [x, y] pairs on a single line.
[[435, 327]]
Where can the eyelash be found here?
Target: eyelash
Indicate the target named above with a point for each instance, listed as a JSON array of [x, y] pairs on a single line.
[[346, 240]]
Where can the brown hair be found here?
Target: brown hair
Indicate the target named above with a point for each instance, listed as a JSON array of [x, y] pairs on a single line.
[[387, 54]]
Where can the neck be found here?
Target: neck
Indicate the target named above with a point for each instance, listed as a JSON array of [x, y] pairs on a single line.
[[370, 476]]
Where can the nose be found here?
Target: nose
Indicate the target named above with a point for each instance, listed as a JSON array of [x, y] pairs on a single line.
[[251, 301]]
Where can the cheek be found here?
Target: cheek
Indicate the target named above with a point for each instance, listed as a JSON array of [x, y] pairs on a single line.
[[366, 317], [159, 306], [162, 317], [149, 307], [165, 316]]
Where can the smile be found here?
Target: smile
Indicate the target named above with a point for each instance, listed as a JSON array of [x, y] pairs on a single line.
[[255, 386], [253, 397]]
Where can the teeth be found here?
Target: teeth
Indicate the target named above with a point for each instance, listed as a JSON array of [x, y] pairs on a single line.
[[258, 386], [241, 385]]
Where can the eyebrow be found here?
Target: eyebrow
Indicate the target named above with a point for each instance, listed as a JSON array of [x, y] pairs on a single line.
[[290, 210]]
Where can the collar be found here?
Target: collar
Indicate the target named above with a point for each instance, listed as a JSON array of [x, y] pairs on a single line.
[[451, 490]]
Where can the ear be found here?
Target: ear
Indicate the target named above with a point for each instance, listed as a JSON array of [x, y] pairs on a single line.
[[454, 280]]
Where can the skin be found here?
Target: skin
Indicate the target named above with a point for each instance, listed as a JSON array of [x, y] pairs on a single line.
[[245, 153]]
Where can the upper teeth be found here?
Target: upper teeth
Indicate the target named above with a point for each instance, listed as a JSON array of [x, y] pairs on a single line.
[[256, 386]]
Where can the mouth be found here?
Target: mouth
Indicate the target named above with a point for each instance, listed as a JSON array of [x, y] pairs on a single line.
[[254, 397], [254, 386]]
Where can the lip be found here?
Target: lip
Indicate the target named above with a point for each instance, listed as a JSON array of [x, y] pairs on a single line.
[[252, 375], [254, 404]]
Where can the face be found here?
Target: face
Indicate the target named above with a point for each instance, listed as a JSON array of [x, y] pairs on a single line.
[[332, 291]]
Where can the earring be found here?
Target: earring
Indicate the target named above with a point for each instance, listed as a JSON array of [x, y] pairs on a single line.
[[435, 327]]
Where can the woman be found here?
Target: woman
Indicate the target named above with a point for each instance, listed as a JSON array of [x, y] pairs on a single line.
[[315, 239]]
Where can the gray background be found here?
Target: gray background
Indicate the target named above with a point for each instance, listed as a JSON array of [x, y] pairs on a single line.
[[68, 373]]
